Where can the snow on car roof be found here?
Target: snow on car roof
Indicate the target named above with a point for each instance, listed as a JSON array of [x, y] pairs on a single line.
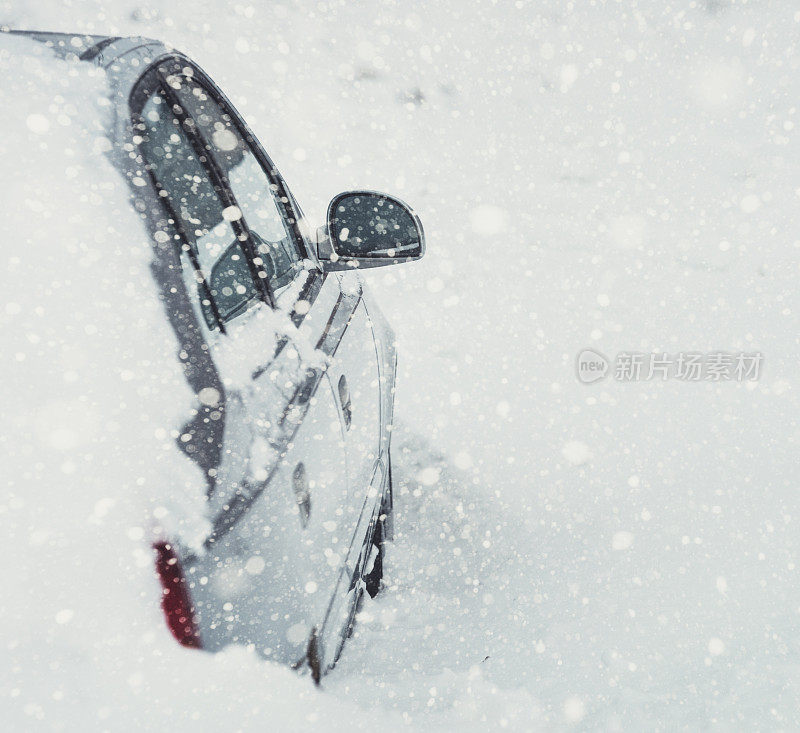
[[98, 49]]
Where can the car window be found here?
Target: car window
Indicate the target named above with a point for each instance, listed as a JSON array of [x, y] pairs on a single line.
[[224, 279], [257, 197]]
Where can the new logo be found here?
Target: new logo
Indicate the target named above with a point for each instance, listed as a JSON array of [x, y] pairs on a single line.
[[591, 366]]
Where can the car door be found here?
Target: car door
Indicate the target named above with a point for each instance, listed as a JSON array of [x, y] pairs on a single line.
[[280, 501], [346, 340], [354, 372]]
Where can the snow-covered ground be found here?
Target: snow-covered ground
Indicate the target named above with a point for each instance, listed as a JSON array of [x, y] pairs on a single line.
[[620, 176]]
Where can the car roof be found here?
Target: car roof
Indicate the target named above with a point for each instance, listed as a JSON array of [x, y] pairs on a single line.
[[108, 52], [64, 44]]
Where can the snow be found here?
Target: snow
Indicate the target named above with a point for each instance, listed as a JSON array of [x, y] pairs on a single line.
[[589, 176], [94, 395]]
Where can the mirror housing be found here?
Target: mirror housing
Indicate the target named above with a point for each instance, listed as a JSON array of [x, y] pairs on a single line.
[[369, 229]]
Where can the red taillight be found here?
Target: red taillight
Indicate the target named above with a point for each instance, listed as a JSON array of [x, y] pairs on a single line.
[[175, 598]]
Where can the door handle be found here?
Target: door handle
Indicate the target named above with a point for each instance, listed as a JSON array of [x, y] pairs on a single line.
[[345, 402], [302, 493]]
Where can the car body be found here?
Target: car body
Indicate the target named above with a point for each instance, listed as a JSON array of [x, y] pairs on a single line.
[[291, 362]]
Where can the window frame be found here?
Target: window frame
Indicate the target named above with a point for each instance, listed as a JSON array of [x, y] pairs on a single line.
[[154, 80]]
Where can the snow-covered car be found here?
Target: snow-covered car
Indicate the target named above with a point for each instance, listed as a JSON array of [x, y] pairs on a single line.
[[292, 432]]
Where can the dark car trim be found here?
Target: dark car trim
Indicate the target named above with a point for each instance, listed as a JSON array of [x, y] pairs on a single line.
[[91, 53]]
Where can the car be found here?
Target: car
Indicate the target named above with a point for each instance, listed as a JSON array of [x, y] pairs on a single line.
[[290, 360]]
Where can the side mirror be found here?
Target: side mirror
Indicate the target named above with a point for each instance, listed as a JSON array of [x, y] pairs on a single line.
[[369, 229]]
